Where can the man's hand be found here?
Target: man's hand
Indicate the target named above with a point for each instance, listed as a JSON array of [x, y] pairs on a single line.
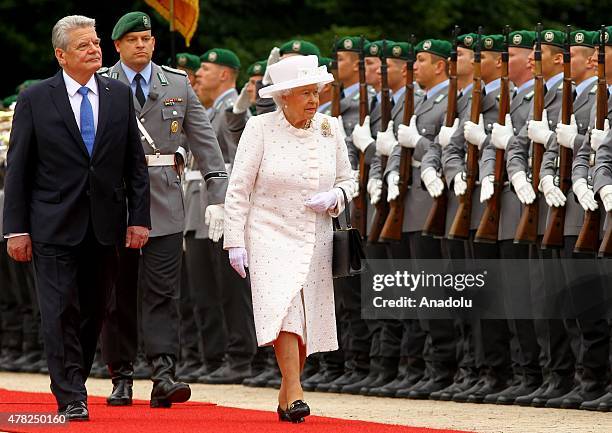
[[446, 132], [487, 188], [598, 136], [432, 182], [408, 136], [392, 186], [459, 185], [385, 141], [362, 136], [538, 130], [523, 189], [474, 133], [375, 190], [179, 164], [20, 248], [243, 102], [273, 58], [136, 237], [213, 218], [502, 134]]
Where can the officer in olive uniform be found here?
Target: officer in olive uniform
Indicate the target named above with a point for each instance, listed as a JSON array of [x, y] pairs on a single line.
[[165, 106]]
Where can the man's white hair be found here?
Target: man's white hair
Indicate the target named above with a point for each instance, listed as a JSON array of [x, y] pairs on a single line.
[[62, 29]]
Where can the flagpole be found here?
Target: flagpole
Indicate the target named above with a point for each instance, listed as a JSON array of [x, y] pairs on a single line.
[[172, 41]]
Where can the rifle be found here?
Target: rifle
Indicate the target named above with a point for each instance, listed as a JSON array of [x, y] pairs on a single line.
[[392, 230], [335, 102], [527, 229], [488, 229], [553, 235], [435, 224], [360, 210], [460, 228], [382, 207]]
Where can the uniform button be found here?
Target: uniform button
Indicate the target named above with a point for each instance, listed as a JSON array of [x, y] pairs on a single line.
[[175, 112], [142, 119], [423, 130], [142, 139]]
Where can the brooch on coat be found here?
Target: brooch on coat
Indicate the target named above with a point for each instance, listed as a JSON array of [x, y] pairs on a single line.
[[326, 128]]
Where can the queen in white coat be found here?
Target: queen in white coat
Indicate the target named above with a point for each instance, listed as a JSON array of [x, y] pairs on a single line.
[[283, 191]]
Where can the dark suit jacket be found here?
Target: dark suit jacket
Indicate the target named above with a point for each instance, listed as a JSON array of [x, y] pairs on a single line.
[[53, 188]]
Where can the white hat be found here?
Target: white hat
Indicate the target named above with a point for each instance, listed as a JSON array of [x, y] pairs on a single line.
[[295, 71]]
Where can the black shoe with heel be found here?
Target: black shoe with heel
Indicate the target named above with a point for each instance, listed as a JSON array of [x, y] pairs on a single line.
[[284, 416], [297, 410]]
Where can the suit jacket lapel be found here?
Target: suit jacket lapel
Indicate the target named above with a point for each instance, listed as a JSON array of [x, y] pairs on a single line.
[[582, 99], [120, 73], [103, 109], [376, 114], [425, 105], [60, 99], [517, 101]]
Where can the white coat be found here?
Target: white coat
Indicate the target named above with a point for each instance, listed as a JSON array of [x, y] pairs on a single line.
[[289, 246]]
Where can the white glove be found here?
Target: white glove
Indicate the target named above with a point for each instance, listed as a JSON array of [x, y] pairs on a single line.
[[538, 130], [238, 259], [392, 185], [385, 141], [523, 189], [375, 190], [446, 132], [362, 136], [502, 134], [460, 186], [585, 195], [355, 174], [273, 58], [487, 188], [566, 134], [408, 136], [475, 133], [322, 201], [213, 218], [243, 102], [606, 196], [432, 182], [598, 136], [341, 130], [553, 195]]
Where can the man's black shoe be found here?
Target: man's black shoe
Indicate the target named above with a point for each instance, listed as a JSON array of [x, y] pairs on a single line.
[[75, 411]]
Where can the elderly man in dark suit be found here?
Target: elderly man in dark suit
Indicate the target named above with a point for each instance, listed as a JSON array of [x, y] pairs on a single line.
[[76, 175]]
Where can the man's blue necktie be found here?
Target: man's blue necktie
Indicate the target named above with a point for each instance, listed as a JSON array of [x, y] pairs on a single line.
[[88, 131]]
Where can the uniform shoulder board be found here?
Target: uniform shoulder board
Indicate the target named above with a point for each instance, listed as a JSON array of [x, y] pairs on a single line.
[[593, 89], [228, 103], [356, 96], [439, 98], [560, 87], [174, 71], [104, 71], [529, 95]]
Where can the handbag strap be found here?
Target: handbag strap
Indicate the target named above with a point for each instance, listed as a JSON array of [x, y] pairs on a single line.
[[347, 212]]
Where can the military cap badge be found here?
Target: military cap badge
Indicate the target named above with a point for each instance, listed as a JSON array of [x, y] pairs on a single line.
[[212, 57], [579, 38], [348, 44], [374, 49], [426, 45], [549, 36], [257, 69], [468, 40], [182, 61], [517, 39], [488, 43], [145, 21], [397, 51], [296, 46]]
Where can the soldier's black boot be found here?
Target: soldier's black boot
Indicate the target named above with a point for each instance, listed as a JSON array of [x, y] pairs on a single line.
[[165, 390], [122, 375]]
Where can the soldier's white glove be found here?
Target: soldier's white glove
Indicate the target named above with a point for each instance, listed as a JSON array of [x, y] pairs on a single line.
[[553, 195], [341, 130], [355, 174], [606, 196], [392, 185], [362, 136], [487, 188], [475, 133], [566, 134], [408, 136], [598, 136], [385, 141], [273, 58], [502, 134], [243, 102], [446, 132], [375, 190], [460, 185], [238, 260], [213, 218], [585, 195], [539, 131], [524, 190], [432, 182]]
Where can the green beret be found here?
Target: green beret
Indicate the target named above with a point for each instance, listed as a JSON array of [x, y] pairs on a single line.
[[327, 62], [304, 48], [25, 85], [492, 43], [188, 61], [221, 56], [584, 38], [467, 41], [522, 39], [434, 46], [350, 43], [374, 49], [398, 50], [257, 68], [553, 37], [6, 102], [131, 22]]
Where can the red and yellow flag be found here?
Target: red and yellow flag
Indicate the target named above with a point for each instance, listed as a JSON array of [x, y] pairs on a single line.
[[186, 14]]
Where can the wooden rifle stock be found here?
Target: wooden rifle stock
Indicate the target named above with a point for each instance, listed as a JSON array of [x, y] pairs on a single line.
[[460, 228], [392, 230], [553, 235], [527, 229], [488, 229], [360, 204]]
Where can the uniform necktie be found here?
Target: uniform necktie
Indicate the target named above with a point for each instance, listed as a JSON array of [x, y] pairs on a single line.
[[373, 104], [88, 131], [139, 93]]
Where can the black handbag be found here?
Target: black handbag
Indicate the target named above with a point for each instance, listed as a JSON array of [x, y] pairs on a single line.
[[348, 250]]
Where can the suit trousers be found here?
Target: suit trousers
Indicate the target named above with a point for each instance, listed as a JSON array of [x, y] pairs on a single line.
[[10, 319], [73, 283]]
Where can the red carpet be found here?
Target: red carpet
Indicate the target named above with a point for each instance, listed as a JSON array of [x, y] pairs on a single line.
[[181, 418]]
